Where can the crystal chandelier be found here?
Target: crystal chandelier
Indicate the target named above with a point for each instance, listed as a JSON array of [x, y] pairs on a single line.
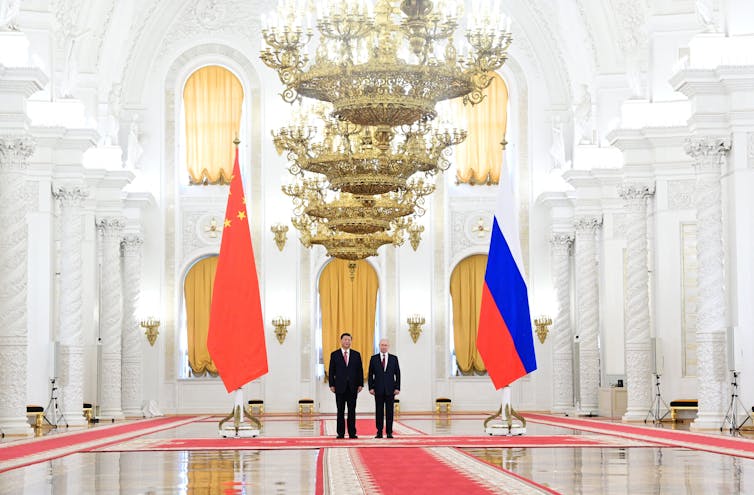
[[364, 159]]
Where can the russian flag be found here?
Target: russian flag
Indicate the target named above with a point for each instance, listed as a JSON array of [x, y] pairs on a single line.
[[505, 339]]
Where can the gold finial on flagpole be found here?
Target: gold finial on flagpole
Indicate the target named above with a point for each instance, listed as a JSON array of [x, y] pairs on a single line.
[[236, 141]]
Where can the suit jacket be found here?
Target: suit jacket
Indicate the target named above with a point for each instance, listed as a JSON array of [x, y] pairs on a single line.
[[384, 381], [343, 377]]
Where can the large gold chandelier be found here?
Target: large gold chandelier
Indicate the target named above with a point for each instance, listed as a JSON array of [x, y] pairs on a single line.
[[364, 160]]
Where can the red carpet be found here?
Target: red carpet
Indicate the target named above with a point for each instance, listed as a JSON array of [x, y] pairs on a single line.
[[269, 443], [415, 471], [37, 450], [674, 438]]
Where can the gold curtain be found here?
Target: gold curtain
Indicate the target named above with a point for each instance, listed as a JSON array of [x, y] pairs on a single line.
[[348, 305], [212, 100], [197, 289], [479, 158], [211, 474], [466, 283]]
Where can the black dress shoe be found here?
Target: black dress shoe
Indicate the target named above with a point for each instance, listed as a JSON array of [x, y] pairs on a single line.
[[390, 435], [352, 436], [340, 436], [379, 435]]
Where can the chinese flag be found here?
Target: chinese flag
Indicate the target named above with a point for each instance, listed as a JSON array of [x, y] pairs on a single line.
[[236, 329]]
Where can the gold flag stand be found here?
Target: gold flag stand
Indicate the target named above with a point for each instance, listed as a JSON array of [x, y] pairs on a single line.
[[512, 424], [239, 428]]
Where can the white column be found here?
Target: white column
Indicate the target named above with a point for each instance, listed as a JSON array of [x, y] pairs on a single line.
[[111, 317], [709, 156], [562, 354], [70, 335], [638, 338], [131, 392], [14, 154], [588, 311]]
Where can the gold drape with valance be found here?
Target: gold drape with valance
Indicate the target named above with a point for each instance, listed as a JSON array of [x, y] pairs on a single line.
[[466, 284], [348, 305], [197, 289], [479, 158], [212, 102]]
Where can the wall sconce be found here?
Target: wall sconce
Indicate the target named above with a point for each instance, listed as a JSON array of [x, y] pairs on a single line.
[[281, 327], [415, 235], [280, 230], [543, 327], [415, 323], [150, 326]]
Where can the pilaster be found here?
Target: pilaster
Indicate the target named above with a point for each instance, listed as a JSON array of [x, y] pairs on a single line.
[[561, 243], [131, 392], [587, 283], [111, 316]]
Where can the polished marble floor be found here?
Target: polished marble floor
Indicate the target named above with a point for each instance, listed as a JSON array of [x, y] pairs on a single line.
[[633, 470]]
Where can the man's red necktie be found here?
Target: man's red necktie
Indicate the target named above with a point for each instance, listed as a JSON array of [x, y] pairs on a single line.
[[345, 356], [383, 363]]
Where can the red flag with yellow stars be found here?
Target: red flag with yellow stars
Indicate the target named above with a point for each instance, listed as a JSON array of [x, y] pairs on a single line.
[[236, 328]]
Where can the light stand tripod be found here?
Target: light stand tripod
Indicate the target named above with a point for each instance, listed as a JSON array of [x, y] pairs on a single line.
[[731, 417], [52, 409], [657, 404]]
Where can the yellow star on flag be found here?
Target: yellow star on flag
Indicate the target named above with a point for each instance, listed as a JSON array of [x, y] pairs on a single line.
[[241, 215], [227, 222], [244, 200]]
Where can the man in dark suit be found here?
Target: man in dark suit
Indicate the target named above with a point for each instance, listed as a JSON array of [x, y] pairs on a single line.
[[346, 381], [384, 379]]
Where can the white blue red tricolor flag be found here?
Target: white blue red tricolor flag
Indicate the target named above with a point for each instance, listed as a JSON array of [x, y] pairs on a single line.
[[505, 339]]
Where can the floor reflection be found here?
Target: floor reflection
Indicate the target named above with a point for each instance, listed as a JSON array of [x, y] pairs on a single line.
[[621, 470], [608, 470]]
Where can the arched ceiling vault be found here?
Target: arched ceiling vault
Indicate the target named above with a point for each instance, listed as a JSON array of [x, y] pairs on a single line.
[[570, 40]]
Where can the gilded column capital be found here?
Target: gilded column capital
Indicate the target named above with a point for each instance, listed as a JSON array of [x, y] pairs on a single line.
[[590, 222], [561, 239], [70, 194], [15, 151], [707, 152], [636, 190]]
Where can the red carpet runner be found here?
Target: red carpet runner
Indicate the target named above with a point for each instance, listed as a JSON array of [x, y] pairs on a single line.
[[708, 442], [415, 471], [23, 452]]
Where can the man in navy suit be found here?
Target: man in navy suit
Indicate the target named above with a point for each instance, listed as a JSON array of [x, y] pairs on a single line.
[[346, 377], [384, 381]]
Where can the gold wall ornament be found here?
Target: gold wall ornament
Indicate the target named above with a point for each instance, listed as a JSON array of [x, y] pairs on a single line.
[[280, 230], [360, 66], [415, 323], [212, 228], [542, 325], [150, 326], [415, 235], [281, 327], [480, 228]]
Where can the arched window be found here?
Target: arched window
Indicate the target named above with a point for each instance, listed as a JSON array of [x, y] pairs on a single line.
[[479, 158], [466, 283], [197, 293], [348, 303], [212, 104]]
